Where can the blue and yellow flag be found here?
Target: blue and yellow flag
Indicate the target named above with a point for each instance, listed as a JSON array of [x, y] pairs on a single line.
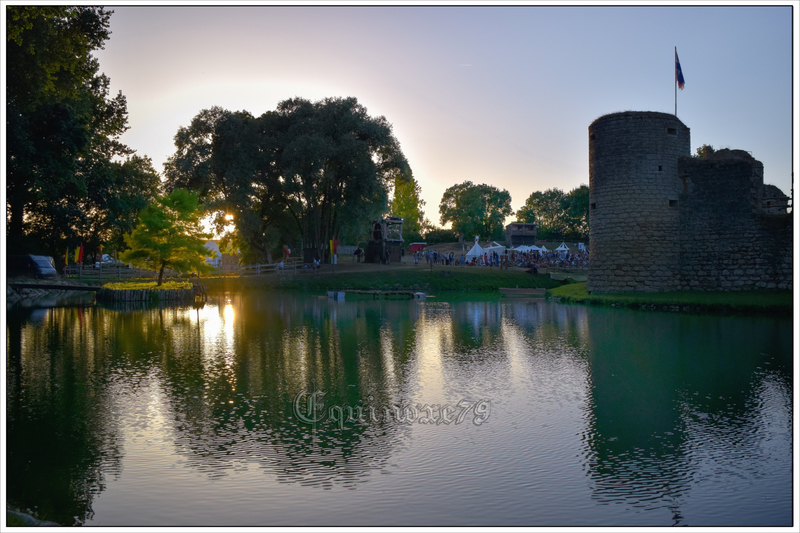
[[678, 72]]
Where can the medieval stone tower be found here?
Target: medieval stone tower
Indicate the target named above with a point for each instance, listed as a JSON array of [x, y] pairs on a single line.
[[633, 201], [661, 220]]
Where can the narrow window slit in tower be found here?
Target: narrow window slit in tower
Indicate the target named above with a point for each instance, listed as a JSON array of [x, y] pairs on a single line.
[[594, 206], [673, 203], [672, 131]]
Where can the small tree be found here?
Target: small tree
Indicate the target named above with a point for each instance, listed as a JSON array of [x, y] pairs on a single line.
[[704, 151], [169, 235]]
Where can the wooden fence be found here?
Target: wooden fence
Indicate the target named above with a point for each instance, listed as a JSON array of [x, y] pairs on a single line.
[[258, 270], [122, 273], [109, 273]]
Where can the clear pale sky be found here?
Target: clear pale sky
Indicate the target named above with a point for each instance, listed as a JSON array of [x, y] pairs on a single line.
[[496, 95]]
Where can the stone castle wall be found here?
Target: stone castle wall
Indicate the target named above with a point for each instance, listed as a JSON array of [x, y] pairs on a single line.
[[729, 241], [633, 190], [661, 220]]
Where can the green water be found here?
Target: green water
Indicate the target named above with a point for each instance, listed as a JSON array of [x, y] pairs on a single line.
[[518, 413]]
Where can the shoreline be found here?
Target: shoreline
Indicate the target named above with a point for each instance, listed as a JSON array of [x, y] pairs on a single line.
[[766, 302], [452, 280], [467, 280], [26, 297]]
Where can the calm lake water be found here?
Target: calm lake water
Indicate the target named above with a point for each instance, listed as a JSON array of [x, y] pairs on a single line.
[[278, 409]]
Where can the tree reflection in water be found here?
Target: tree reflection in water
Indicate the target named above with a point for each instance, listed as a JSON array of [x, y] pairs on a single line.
[[640, 406], [673, 385]]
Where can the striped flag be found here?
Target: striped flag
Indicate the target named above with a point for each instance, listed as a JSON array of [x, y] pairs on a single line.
[[678, 72]]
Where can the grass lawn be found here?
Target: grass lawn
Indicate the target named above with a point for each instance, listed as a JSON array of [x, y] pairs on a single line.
[[749, 301], [369, 277]]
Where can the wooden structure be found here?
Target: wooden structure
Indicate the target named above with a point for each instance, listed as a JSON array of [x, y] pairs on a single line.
[[386, 243], [520, 233], [376, 294]]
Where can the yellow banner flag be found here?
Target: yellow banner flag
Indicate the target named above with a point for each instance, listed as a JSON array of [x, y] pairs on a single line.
[[77, 254], [66, 257]]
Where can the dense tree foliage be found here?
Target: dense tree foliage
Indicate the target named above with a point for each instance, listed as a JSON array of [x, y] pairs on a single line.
[[440, 235], [476, 210], [67, 181], [558, 215], [308, 171], [169, 236], [407, 204]]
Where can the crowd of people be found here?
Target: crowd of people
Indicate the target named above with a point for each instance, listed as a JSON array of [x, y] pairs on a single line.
[[551, 259], [438, 258], [532, 259]]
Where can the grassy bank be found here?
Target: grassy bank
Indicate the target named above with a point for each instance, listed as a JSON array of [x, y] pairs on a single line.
[[474, 280], [14, 521], [148, 291], [417, 278], [140, 285], [778, 302]]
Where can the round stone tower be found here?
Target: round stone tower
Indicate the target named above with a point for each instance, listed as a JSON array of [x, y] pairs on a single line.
[[634, 190]]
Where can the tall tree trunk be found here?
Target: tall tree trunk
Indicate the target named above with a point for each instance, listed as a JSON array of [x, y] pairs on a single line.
[[267, 252], [160, 276], [16, 233]]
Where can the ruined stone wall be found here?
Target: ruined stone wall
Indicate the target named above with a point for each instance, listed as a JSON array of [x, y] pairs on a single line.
[[661, 220], [728, 241], [633, 195]]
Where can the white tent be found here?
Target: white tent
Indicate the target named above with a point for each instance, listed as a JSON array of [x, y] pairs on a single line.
[[213, 247], [544, 249], [527, 248], [562, 248], [499, 248], [475, 252]]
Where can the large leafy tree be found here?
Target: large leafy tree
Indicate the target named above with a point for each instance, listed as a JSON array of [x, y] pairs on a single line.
[[219, 155], [545, 209], [169, 235], [475, 209], [558, 215], [576, 213], [63, 153], [309, 170], [117, 191]]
